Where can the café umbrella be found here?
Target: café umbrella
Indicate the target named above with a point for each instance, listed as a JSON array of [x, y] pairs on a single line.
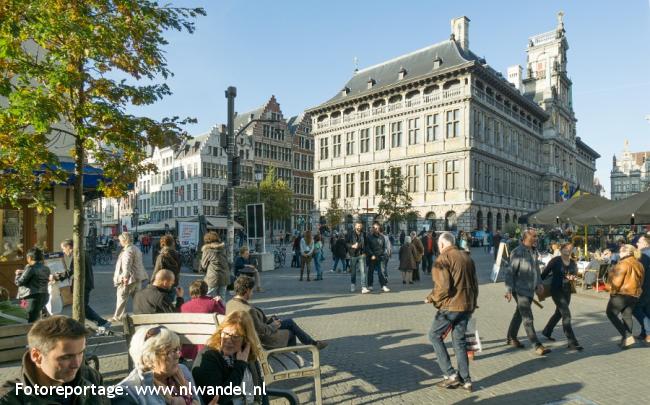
[[564, 212], [630, 211]]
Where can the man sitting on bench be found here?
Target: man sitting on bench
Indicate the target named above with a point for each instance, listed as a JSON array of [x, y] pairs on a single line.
[[246, 265], [272, 331], [155, 298], [55, 358]]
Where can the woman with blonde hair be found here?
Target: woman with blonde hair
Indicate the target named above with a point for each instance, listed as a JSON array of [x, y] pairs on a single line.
[[624, 283], [306, 252], [155, 352], [230, 359]]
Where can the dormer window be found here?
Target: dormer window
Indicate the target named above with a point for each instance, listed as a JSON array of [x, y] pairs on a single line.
[[371, 82], [437, 62], [345, 91], [402, 73]]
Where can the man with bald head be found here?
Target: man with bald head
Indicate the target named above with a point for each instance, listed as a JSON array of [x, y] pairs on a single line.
[[155, 299]]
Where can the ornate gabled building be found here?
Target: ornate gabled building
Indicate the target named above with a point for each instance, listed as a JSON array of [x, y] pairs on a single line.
[[630, 173], [303, 169], [476, 150]]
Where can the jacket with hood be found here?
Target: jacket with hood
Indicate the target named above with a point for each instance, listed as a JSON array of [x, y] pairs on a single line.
[[85, 377], [168, 259], [215, 265]]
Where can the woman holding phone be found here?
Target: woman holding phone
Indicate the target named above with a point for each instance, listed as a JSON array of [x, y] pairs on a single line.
[[230, 358]]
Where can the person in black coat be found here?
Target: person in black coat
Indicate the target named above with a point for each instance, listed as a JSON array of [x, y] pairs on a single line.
[[375, 252], [155, 298], [340, 252], [89, 283], [562, 270]]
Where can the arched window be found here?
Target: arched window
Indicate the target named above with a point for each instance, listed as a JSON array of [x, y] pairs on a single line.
[[499, 221], [451, 221], [507, 218], [489, 222], [431, 220], [479, 220]]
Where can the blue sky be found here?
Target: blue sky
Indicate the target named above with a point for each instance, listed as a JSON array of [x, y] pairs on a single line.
[[303, 52]]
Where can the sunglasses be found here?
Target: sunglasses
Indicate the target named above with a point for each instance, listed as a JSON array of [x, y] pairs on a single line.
[[155, 331]]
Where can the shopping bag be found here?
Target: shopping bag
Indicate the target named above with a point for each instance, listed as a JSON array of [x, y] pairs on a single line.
[[65, 292], [54, 305]]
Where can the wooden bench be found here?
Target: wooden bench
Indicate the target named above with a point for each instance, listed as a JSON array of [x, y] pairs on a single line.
[[13, 342], [197, 329]]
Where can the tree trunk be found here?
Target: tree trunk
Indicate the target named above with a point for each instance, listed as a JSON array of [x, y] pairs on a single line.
[[78, 254]]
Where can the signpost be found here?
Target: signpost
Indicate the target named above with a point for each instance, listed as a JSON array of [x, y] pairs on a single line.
[[188, 234], [502, 254], [255, 222]]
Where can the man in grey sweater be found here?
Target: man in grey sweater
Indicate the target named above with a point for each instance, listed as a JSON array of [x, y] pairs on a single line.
[[523, 279]]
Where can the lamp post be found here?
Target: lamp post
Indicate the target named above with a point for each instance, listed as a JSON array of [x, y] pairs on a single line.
[[259, 176], [136, 218]]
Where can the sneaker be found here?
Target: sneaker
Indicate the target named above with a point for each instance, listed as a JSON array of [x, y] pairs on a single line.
[[364, 290], [385, 288], [321, 344], [352, 287], [627, 342], [370, 288], [541, 350], [467, 386], [332, 271], [646, 340], [449, 382]]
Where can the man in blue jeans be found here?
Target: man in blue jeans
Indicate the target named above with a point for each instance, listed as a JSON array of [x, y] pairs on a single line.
[[356, 245], [454, 294]]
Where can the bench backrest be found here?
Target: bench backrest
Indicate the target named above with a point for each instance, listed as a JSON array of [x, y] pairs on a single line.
[[13, 341]]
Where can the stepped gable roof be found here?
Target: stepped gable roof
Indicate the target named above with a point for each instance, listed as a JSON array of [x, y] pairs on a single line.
[[416, 64]]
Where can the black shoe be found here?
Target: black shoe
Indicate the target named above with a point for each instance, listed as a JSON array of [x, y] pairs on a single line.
[[403, 282], [575, 346], [515, 343], [549, 337]]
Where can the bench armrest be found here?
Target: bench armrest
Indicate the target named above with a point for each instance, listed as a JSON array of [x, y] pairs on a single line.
[[301, 348]]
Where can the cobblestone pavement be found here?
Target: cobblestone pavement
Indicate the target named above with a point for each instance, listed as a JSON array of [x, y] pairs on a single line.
[[379, 352]]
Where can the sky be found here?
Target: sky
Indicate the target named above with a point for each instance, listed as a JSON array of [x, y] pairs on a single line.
[[303, 52]]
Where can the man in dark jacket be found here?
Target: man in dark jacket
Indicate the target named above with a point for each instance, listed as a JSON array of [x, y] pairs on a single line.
[[155, 299], [89, 284], [429, 246], [642, 308], [55, 360], [356, 246], [523, 279], [376, 250], [454, 294]]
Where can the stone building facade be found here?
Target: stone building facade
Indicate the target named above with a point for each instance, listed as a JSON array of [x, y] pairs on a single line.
[[630, 173], [476, 150]]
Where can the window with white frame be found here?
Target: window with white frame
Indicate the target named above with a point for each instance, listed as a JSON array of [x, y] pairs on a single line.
[[452, 174], [453, 123], [349, 185], [414, 131], [396, 134], [364, 140], [323, 188], [349, 143], [336, 145], [364, 183], [432, 176], [412, 178], [380, 137], [324, 148], [433, 127], [380, 181], [336, 186]]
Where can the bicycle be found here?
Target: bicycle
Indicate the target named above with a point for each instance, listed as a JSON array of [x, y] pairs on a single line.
[[187, 256], [279, 257]]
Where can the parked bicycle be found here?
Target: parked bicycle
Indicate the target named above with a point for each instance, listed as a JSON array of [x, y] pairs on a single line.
[[187, 253], [279, 257], [102, 256]]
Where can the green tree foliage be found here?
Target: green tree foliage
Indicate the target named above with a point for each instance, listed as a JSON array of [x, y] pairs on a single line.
[[396, 203], [275, 193], [334, 214], [71, 68]]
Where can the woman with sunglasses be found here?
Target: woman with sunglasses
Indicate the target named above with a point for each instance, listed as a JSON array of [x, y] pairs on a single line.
[[230, 359], [155, 353]]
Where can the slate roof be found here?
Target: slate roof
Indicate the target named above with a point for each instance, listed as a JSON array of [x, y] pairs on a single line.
[[243, 118], [418, 63], [294, 122]]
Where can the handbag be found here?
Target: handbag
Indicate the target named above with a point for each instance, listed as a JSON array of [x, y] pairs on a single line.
[[547, 289], [572, 286]]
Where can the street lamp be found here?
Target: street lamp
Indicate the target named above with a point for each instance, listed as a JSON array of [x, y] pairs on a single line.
[[259, 176], [136, 215]]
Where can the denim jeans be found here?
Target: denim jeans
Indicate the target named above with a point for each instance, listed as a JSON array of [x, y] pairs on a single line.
[[220, 291], [385, 268], [358, 263], [296, 332], [336, 263], [562, 299], [378, 266], [427, 263], [319, 272], [523, 311], [642, 314], [621, 304], [90, 313], [458, 323]]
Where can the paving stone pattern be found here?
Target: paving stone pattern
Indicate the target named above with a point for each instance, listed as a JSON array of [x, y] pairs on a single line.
[[379, 352]]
